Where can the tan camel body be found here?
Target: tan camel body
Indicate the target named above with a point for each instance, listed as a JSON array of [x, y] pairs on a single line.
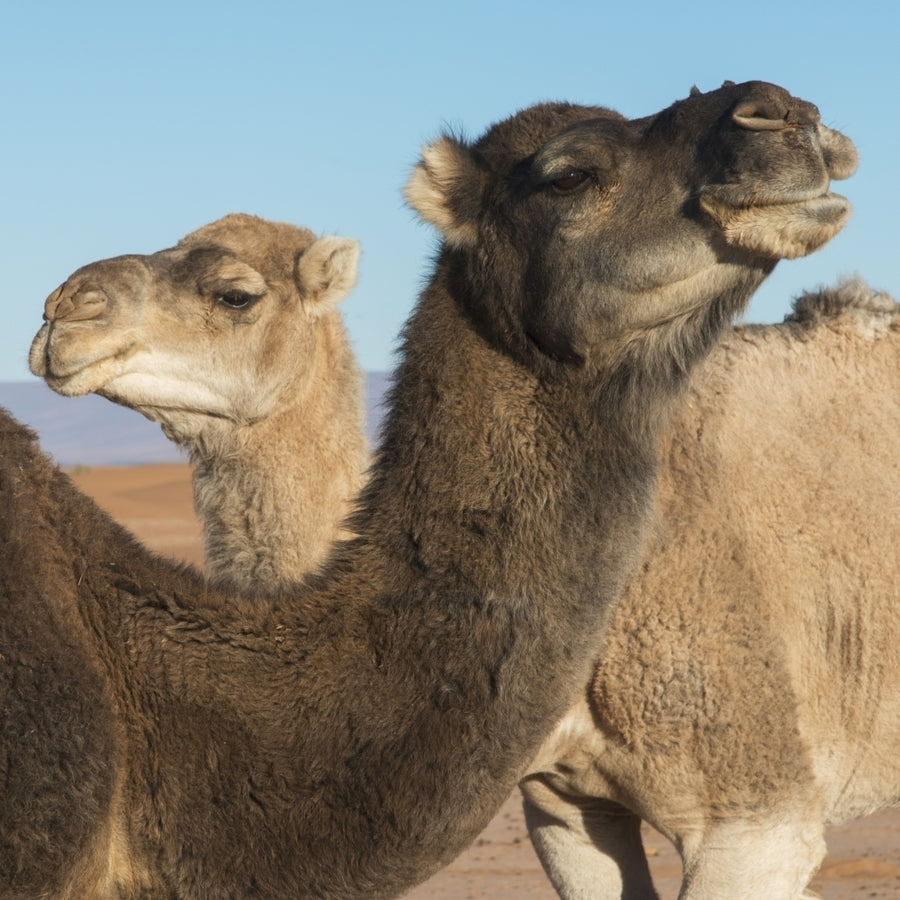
[[748, 692], [348, 736], [259, 379]]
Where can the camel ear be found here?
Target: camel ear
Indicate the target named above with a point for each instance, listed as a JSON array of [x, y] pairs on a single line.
[[445, 189], [326, 272]]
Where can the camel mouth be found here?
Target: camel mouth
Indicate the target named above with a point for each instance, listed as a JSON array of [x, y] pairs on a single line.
[[83, 375], [717, 200], [778, 228]]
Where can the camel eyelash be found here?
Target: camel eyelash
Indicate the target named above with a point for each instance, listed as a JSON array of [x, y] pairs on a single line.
[[570, 181], [236, 299]]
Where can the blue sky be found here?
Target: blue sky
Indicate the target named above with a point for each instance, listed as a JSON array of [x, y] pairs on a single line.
[[125, 126]]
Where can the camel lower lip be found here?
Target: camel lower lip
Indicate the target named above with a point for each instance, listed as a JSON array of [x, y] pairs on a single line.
[[67, 384], [77, 380], [62, 374], [826, 207], [59, 373], [710, 199]]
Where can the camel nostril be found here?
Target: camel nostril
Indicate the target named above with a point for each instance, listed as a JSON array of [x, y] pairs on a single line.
[[83, 304], [759, 115], [51, 303]]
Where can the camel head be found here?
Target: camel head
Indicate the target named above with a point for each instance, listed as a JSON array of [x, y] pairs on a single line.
[[583, 231], [222, 326]]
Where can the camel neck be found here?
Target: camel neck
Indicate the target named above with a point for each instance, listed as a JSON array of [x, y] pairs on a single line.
[[273, 495], [499, 453]]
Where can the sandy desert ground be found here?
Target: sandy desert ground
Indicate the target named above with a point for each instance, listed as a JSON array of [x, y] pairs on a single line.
[[154, 502]]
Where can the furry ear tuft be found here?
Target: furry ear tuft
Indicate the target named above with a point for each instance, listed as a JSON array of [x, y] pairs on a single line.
[[326, 272], [445, 189]]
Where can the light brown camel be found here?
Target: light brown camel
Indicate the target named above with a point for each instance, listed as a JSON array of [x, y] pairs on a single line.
[[748, 692], [790, 429], [347, 737], [241, 355]]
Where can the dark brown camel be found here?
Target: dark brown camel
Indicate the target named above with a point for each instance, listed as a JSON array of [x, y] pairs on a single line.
[[349, 736]]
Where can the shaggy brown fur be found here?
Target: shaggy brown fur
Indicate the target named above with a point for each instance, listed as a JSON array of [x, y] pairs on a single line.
[[231, 340], [748, 690], [347, 737]]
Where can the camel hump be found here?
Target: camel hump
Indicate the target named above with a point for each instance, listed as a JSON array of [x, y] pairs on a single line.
[[850, 297]]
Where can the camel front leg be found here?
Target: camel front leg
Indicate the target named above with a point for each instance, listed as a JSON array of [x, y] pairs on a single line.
[[744, 860], [589, 848]]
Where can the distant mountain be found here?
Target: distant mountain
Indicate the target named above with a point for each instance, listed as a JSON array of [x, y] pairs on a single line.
[[92, 431]]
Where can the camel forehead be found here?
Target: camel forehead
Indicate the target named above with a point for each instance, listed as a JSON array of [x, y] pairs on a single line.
[[238, 230], [269, 246], [521, 135]]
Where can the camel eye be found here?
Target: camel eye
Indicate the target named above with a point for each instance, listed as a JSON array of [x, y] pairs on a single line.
[[236, 299], [570, 181]]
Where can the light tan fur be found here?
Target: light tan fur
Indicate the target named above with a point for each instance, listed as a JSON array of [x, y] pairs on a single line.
[[444, 171], [248, 392], [748, 692]]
